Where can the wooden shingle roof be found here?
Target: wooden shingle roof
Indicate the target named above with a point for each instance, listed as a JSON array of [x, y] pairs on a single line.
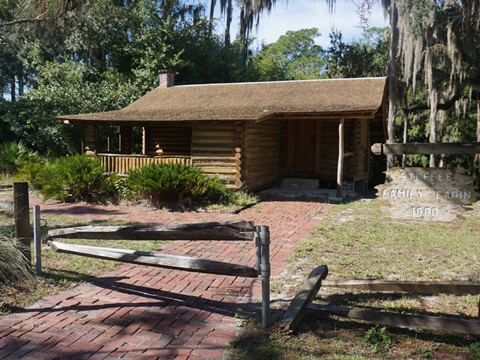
[[248, 101]]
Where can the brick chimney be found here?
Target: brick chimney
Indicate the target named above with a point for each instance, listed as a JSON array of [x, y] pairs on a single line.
[[166, 78]]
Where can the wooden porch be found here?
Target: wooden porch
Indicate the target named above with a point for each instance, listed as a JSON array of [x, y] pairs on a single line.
[[226, 168]]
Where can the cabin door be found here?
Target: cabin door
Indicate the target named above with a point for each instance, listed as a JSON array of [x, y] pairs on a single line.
[[303, 146]]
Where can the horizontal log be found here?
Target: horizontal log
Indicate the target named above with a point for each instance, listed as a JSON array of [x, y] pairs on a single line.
[[262, 154], [212, 152], [426, 149], [261, 180], [228, 178], [213, 158], [424, 287], [156, 259], [461, 326], [262, 169], [264, 134], [217, 126], [219, 170], [215, 145], [217, 163], [234, 230]]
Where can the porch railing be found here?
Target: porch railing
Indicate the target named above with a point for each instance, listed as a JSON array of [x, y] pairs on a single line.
[[123, 163]]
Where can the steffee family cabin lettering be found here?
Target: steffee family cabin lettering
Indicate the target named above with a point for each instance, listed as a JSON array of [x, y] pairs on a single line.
[[427, 194], [425, 176], [402, 193]]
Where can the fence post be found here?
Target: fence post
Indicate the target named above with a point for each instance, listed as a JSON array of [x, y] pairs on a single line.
[[258, 250], [37, 240], [264, 235], [22, 217]]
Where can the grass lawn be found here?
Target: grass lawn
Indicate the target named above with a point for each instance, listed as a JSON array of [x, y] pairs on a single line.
[[359, 241]]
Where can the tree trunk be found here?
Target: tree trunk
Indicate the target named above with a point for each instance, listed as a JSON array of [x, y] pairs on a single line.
[[392, 81], [405, 138], [13, 90], [229, 22], [476, 162], [213, 3], [433, 123]]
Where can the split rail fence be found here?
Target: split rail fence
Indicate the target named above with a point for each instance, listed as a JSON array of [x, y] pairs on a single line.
[[302, 303], [226, 231]]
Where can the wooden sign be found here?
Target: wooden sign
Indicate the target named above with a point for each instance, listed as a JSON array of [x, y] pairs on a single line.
[[427, 194]]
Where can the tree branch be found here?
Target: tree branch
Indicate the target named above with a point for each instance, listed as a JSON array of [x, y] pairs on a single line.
[[22, 21]]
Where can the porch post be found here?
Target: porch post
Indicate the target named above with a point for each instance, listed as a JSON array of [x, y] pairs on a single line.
[[341, 151]]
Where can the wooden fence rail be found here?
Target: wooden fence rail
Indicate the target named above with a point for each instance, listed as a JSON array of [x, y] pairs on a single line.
[[302, 303], [232, 230], [226, 231]]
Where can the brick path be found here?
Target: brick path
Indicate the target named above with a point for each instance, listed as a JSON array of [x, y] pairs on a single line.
[[140, 312]]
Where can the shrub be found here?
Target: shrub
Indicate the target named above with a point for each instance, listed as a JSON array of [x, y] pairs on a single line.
[[177, 184], [15, 269], [14, 155], [31, 173], [76, 178]]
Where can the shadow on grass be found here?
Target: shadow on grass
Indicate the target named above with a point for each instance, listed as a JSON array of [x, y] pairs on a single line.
[[335, 338], [65, 276]]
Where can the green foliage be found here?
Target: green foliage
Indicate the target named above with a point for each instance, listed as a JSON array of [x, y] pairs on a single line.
[[166, 184], [66, 87], [76, 178], [14, 155], [475, 350], [363, 58], [378, 338], [295, 56], [32, 173]]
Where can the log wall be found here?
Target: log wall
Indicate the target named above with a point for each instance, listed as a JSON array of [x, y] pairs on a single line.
[[216, 148], [173, 140], [261, 153], [89, 139], [328, 162], [126, 139]]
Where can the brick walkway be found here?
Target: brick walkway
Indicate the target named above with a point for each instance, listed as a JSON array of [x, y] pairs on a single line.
[[140, 312]]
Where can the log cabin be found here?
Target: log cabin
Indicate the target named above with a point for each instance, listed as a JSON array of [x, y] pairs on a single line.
[[251, 135]]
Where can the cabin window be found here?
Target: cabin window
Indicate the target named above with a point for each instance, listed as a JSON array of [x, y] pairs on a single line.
[[108, 138], [120, 139]]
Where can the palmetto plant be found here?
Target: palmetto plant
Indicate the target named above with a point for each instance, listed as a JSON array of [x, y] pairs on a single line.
[[14, 155]]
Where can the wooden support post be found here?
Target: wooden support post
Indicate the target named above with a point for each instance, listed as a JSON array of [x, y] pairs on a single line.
[[263, 233], [341, 151], [37, 240], [22, 217], [307, 292]]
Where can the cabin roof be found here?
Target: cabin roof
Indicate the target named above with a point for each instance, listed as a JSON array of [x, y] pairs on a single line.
[[249, 101]]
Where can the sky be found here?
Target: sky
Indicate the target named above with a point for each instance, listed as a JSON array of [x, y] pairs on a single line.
[[301, 14]]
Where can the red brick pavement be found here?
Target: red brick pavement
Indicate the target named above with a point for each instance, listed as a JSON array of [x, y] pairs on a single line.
[[140, 312]]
